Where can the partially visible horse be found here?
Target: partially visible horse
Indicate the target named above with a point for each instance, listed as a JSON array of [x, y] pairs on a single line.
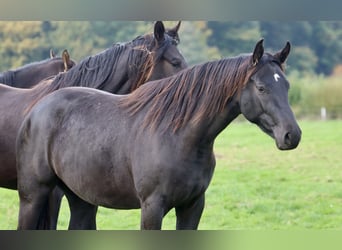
[[119, 69], [151, 149], [31, 74]]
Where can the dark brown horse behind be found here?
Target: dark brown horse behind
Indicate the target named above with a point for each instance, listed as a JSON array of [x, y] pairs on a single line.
[[31, 74], [119, 69]]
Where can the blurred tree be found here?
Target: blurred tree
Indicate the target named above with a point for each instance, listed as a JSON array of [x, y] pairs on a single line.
[[193, 43], [47, 27], [302, 59], [316, 46], [233, 38], [276, 33], [85, 38], [21, 43], [327, 44], [78, 37]]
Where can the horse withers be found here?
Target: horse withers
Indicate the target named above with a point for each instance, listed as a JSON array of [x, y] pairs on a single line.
[[151, 149]]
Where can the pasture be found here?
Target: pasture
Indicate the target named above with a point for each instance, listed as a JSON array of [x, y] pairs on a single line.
[[255, 186]]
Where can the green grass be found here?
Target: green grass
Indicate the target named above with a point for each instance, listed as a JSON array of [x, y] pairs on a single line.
[[255, 186]]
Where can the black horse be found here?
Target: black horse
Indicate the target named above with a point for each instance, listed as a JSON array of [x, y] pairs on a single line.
[[151, 149], [31, 74], [119, 69]]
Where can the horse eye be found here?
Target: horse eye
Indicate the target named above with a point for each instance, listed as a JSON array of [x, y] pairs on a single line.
[[175, 62], [261, 89]]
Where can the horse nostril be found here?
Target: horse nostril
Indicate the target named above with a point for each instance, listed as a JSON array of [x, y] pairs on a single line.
[[288, 138]]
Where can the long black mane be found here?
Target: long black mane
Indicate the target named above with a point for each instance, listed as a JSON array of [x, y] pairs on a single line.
[[93, 71]]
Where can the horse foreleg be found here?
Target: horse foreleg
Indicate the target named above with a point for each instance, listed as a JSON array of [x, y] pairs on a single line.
[[152, 213], [188, 217], [82, 213], [55, 199], [33, 208]]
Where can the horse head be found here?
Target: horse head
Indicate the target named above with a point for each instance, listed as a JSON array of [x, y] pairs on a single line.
[[264, 99], [168, 59]]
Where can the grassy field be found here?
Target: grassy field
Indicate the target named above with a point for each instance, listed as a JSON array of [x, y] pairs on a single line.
[[255, 186]]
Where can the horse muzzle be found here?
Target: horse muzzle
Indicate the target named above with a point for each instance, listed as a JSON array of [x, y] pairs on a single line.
[[287, 139]]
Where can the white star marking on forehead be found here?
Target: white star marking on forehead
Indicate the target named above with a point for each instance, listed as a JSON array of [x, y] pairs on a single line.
[[276, 77]]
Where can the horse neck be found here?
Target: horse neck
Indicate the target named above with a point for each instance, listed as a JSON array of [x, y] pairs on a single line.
[[122, 80], [118, 83], [26, 77], [7, 77], [127, 74], [2, 78], [206, 131]]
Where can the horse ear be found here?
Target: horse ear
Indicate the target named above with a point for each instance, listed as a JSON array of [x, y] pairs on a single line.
[[173, 32], [66, 59], [159, 31], [282, 55], [258, 52], [52, 54]]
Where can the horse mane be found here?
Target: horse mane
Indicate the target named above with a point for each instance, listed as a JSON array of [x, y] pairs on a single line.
[[194, 94], [94, 70], [91, 71]]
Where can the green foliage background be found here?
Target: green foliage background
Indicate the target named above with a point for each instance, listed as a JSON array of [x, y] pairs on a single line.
[[315, 55], [317, 46]]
